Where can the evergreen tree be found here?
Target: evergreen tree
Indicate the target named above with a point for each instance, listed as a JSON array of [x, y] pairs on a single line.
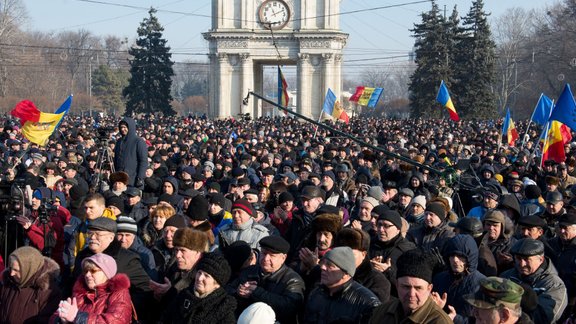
[[433, 64], [474, 66], [107, 86], [151, 71]]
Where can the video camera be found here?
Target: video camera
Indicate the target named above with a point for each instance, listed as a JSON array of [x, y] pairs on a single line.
[[103, 133], [46, 211], [12, 200]]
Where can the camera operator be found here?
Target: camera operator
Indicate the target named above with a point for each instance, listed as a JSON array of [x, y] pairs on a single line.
[[43, 225], [131, 153]]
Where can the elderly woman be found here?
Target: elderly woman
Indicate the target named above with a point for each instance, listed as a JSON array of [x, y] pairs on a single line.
[[99, 296], [205, 301], [152, 230]]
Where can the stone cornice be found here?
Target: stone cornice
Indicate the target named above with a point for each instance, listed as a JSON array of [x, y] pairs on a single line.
[[248, 35]]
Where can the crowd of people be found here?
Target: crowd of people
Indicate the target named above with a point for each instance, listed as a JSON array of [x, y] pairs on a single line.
[[193, 220]]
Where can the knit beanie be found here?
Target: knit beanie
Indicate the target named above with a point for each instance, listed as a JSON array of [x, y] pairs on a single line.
[[532, 192], [198, 208], [216, 266], [244, 205], [191, 239], [284, 197], [30, 261], [372, 201], [258, 313], [343, 258], [177, 221], [125, 224], [117, 202], [420, 200], [437, 208], [415, 263], [236, 254], [103, 261], [392, 216]]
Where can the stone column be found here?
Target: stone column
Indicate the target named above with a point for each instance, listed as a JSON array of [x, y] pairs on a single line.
[[337, 84], [247, 83], [328, 72], [303, 70], [223, 107]]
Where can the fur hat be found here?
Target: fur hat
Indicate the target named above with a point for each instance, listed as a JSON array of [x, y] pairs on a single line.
[[552, 180], [191, 239], [353, 238], [415, 263], [119, 177], [327, 223]]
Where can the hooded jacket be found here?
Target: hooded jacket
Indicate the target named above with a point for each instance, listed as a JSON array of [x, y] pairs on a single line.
[[35, 300], [458, 285], [131, 154]]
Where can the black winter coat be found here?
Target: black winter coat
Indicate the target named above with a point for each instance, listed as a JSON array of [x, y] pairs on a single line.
[[392, 249], [373, 279], [282, 290], [131, 154], [353, 304], [216, 308]]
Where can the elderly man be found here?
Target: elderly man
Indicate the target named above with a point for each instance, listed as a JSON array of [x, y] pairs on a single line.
[[498, 301], [554, 209], [243, 227], [389, 244], [415, 303], [563, 248], [163, 248], [101, 238], [339, 298], [272, 282], [498, 238], [126, 234], [312, 199], [434, 231], [364, 219], [324, 230], [535, 270]]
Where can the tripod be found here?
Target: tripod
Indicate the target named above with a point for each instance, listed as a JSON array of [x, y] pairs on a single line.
[[104, 159]]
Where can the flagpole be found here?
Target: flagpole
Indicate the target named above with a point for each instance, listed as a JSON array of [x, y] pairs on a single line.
[[526, 133], [545, 142], [319, 117]]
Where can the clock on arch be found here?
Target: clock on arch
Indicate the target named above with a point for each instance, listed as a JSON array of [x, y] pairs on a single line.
[[274, 14]]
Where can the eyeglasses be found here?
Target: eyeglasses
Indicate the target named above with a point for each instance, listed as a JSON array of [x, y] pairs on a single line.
[[386, 226], [98, 235], [92, 271]]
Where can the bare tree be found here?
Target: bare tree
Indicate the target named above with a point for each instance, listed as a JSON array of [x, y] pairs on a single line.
[[512, 31], [12, 15], [80, 49]]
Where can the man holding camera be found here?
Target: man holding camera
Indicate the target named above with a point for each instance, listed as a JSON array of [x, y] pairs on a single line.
[[44, 225], [131, 153]]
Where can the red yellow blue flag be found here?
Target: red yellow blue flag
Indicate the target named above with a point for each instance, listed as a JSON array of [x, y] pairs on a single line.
[[283, 98], [444, 99], [333, 107], [366, 96], [37, 126], [509, 129]]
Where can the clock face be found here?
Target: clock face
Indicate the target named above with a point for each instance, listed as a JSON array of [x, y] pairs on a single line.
[[274, 14]]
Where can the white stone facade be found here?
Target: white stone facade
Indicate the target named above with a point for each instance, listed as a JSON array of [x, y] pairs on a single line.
[[240, 45]]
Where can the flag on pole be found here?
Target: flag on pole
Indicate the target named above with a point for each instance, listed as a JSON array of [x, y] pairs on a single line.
[[366, 96], [509, 129], [558, 136], [333, 107], [37, 126], [565, 109], [542, 110], [283, 97], [444, 99]]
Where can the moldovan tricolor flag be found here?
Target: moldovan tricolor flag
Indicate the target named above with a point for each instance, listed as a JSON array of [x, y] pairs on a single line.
[[333, 107], [37, 126], [558, 135], [509, 129], [283, 97], [365, 96], [443, 98]]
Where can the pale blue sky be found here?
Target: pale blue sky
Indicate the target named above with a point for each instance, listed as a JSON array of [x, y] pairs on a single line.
[[374, 34]]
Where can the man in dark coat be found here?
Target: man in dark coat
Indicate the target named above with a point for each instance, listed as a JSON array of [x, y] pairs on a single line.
[[131, 153], [272, 282]]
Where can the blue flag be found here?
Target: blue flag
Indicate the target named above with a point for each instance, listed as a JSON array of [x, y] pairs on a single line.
[[233, 135], [565, 109], [542, 110]]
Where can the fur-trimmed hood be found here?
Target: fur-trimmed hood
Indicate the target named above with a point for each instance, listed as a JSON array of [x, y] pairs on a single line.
[[41, 280], [118, 282]]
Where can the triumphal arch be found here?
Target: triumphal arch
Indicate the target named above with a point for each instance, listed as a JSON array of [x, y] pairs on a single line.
[[247, 35]]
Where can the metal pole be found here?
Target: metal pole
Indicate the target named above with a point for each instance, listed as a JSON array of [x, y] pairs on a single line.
[[90, 86], [343, 134]]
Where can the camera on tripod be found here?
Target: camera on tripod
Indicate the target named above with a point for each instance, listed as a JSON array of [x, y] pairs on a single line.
[[103, 133], [11, 199], [46, 211]]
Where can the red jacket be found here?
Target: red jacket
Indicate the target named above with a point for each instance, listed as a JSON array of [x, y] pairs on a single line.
[[109, 303], [55, 227]]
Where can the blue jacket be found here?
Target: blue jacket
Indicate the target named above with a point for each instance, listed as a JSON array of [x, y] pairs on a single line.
[[456, 286], [131, 154]]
